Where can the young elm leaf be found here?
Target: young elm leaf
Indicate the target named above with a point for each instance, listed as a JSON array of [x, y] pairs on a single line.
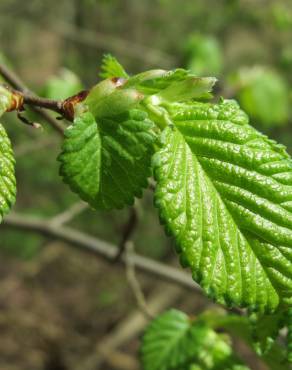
[[7, 174], [224, 191], [110, 68], [107, 162]]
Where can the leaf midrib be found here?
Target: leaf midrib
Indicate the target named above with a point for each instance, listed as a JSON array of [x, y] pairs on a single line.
[[233, 220]]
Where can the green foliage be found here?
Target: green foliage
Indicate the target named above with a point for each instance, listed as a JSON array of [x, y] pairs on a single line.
[[265, 329], [253, 331], [289, 335], [190, 88], [112, 68], [62, 86], [107, 163], [7, 175], [5, 99], [175, 85], [107, 99], [264, 95], [224, 192], [203, 55], [223, 189], [282, 16], [172, 341]]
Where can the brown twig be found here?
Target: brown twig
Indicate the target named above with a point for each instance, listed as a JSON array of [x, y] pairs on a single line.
[[66, 216], [36, 101], [134, 283], [17, 84], [162, 297], [128, 231], [100, 248], [13, 79]]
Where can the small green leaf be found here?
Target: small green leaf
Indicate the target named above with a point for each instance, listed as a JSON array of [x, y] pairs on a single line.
[[108, 99], [241, 326], [190, 88], [171, 86], [112, 68], [116, 103], [152, 82], [265, 329], [99, 93], [173, 341], [224, 191], [164, 343], [5, 99], [203, 54], [107, 163], [7, 175], [62, 86], [81, 157], [264, 95]]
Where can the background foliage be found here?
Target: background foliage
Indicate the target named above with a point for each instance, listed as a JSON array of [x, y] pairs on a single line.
[[245, 43]]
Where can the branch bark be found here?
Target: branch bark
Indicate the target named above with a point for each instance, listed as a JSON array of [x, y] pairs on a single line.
[[115, 44], [100, 248], [128, 230], [17, 84]]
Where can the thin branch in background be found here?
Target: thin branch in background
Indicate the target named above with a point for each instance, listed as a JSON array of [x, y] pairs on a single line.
[[101, 248], [13, 79], [128, 231], [36, 101], [114, 44], [162, 297], [17, 83], [134, 283], [66, 216]]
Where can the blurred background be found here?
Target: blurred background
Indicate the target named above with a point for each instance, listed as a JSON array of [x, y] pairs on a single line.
[[61, 308]]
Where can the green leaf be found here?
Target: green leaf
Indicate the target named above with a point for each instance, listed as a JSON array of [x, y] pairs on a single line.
[[5, 99], [106, 99], [171, 86], [7, 175], [62, 86], [264, 95], [241, 326], [107, 163], [265, 329], [224, 191], [164, 343], [116, 103], [99, 93], [152, 82], [172, 341], [190, 88], [204, 56], [112, 68]]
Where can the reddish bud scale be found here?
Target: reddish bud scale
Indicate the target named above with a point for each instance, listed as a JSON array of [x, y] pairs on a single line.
[[16, 101], [68, 105]]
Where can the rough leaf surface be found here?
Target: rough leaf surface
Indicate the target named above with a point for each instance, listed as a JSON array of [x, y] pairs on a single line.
[[265, 329], [7, 175], [224, 191], [107, 163], [173, 342], [112, 68]]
